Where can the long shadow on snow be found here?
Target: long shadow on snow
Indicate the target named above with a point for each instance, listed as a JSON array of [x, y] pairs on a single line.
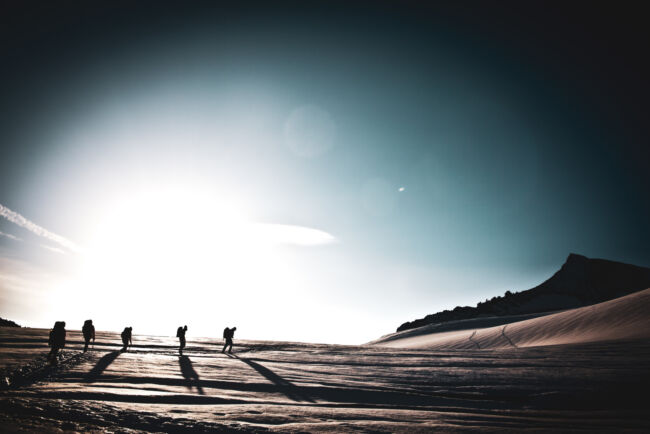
[[610, 398], [190, 375], [343, 395], [289, 389], [101, 365]]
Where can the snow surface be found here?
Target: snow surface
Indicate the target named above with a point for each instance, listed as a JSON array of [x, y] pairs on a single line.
[[294, 387], [623, 318]]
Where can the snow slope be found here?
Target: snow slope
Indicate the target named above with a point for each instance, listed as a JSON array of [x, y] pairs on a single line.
[[623, 318]]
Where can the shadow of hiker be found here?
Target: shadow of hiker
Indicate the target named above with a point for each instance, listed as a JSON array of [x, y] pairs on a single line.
[[289, 389], [101, 365], [190, 374]]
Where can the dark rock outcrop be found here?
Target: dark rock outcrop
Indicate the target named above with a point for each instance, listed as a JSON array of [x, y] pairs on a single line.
[[580, 282], [7, 323]]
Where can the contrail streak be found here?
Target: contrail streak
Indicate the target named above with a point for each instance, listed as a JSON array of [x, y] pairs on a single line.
[[53, 249], [11, 237], [21, 221]]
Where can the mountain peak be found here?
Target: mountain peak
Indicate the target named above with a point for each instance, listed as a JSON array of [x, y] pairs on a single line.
[[575, 258], [581, 281]]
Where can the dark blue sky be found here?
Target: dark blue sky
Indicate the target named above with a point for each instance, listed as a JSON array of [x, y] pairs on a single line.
[[518, 134]]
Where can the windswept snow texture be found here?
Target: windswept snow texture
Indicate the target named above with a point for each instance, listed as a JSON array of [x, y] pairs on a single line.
[[623, 318], [290, 387]]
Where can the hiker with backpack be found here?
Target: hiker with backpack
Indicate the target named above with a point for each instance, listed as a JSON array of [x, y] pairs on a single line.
[[180, 334], [88, 331], [228, 334], [126, 337], [56, 340]]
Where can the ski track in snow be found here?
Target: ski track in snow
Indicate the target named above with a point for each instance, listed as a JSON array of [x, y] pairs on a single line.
[[289, 387]]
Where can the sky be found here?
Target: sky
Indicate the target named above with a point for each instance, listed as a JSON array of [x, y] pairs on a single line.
[[311, 171]]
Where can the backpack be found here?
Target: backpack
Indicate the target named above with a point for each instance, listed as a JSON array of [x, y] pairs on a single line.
[[179, 331], [57, 335], [226, 332]]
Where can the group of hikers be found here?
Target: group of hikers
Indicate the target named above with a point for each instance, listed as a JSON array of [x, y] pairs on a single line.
[[58, 335], [228, 335]]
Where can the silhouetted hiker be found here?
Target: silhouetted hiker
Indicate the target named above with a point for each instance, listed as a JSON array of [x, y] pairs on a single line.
[[56, 341], [88, 330], [126, 338], [228, 334], [180, 334]]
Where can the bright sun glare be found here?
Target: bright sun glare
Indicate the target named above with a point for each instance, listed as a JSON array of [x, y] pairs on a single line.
[[161, 254]]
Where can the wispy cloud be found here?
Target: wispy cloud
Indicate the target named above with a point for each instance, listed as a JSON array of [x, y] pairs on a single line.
[[11, 237], [265, 232], [21, 221], [291, 234]]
